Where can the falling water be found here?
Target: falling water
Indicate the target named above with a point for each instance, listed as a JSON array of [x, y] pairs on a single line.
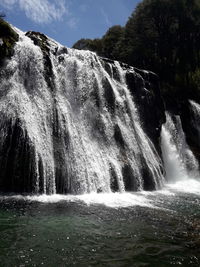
[[179, 161], [80, 122], [196, 116]]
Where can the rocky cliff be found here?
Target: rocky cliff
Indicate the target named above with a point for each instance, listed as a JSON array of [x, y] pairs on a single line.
[[73, 122]]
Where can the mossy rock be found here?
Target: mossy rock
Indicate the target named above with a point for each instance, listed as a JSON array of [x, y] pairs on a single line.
[[8, 38]]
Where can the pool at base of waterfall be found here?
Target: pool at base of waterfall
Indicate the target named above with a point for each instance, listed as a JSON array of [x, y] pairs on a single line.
[[132, 229]]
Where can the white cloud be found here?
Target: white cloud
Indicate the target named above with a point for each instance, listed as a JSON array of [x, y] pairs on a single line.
[[39, 11], [8, 3], [72, 22]]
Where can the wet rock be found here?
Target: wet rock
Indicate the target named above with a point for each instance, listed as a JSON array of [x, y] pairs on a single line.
[[113, 180], [144, 87], [191, 128], [17, 159], [41, 40], [79, 126], [118, 136], [129, 179], [109, 95]]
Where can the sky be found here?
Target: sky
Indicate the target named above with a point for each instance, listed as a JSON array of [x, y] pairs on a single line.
[[67, 21]]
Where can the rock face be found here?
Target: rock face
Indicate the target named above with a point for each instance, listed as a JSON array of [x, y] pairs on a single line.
[[17, 159], [149, 101], [190, 117], [187, 107], [71, 122]]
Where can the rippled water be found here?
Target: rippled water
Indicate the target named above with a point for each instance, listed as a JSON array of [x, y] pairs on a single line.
[[141, 229]]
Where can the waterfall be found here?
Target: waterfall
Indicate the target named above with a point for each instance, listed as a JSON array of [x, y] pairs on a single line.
[[196, 116], [179, 160], [70, 125]]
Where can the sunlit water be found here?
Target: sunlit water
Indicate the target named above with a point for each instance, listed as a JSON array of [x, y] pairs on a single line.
[[132, 229]]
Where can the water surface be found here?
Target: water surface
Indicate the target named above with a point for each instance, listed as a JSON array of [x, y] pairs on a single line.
[[141, 229]]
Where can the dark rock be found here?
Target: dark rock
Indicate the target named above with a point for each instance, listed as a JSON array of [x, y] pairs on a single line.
[[61, 51], [41, 176], [61, 186], [109, 95], [95, 94], [118, 136], [41, 40], [113, 180], [129, 179], [60, 145], [107, 67], [148, 179], [144, 87], [99, 190], [191, 128], [116, 74], [17, 159]]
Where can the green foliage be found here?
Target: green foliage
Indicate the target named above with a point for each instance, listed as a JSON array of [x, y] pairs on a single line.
[[194, 78], [109, 46], [163, 36], [111, 42], [6, 30], [8, 38]]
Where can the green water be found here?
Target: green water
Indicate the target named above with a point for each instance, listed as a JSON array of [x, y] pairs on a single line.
[[72, 233]]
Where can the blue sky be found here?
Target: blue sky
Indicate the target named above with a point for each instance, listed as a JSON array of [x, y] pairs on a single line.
[[67, 20]]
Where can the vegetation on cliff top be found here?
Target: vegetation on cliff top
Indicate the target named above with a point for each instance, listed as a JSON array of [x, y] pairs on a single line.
[[160, 35], [8, 37]]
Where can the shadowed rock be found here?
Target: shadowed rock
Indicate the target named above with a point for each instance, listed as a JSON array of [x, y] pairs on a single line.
[[109, 95], [17, 160], [129, 179]]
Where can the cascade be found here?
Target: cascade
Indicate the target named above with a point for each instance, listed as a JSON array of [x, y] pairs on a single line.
[[69, 124], [195, 107], [179, 160]]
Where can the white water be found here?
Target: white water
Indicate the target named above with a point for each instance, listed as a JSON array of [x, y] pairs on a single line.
[[196, 116], [179, 161], [120, 200], [83, 149], [196, 109]]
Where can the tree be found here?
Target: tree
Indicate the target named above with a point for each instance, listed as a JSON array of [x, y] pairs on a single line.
[[8, 38], [164, 36], [110, 42]]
